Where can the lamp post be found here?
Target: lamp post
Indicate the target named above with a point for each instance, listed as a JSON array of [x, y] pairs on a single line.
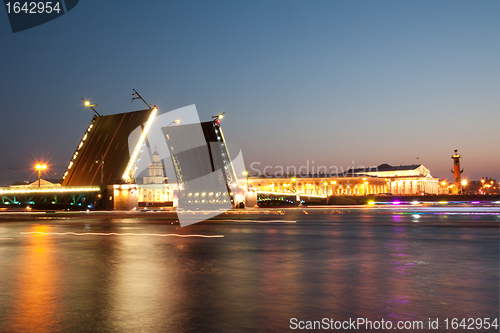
[[176, 121], [220, 116], [136, 95], [217, 118], [443, 184], [87, 103], [40, 167], [333, 182], [102, 170]]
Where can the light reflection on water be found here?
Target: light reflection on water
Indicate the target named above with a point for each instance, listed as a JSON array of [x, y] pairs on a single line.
[[36, 305], [354, 263]]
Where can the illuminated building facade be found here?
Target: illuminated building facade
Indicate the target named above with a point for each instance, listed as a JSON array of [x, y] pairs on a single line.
[[485, 186], [385, 179], [406, 179], [154, 190]]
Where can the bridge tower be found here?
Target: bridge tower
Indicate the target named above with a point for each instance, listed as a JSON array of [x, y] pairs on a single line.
[[457, 172]]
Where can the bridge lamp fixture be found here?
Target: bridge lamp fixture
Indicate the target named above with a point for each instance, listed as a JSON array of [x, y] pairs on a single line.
[[218, 117], [176, 121], [39, 167], [87, 103]]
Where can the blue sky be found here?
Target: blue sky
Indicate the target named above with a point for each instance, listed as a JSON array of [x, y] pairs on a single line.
[[326, 81]]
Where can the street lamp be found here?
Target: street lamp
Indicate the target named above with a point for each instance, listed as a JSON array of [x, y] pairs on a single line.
[[333, 182], [443, 184], [464, 184], [40, 167], [218, 117], [87, 103], [176, 121]]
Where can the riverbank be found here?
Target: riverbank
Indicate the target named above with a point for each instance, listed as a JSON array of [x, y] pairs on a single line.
[[364, 200]]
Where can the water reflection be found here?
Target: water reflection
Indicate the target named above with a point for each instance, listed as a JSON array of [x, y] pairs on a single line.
[[36, 288], [340, 266]]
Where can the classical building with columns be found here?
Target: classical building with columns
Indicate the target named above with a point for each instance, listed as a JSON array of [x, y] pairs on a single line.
[[384, 179], [155, 188]]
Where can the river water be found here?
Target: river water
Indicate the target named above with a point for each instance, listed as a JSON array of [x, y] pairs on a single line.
[[261, 269]]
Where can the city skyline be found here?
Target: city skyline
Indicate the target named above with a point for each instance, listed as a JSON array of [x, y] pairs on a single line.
[[358, 83]]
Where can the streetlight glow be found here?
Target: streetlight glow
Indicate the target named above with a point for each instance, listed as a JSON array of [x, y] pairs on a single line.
[[176, 121], [87, 103], [39, 167]]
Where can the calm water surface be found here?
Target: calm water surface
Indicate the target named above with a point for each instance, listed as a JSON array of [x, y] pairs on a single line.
[[391, 264]]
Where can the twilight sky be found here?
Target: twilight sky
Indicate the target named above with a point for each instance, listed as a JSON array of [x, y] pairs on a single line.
[[340, 83]]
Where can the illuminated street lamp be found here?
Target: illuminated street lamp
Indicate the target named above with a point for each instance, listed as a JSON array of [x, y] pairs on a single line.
[[40, 167], [464, 184], [444, 187], [176, 121], [333, 182], [87, 103], [218, 117]]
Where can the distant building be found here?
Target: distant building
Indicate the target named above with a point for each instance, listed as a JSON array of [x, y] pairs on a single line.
[[43, 183], [483, 186], [404, 179], [156, 175], [155, 189], [387, 179]]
